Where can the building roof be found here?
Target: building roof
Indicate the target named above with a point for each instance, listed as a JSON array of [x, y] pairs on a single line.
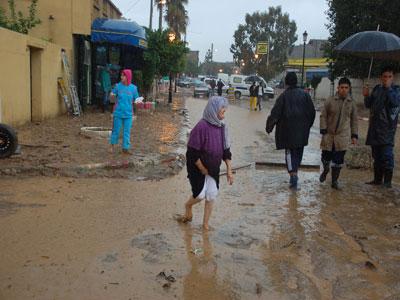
[[314, 49]]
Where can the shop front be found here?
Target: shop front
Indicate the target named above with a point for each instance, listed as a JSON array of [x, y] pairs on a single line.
[[116, 45]]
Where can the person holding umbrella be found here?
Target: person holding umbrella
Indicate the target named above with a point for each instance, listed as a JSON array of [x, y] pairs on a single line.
[[384, 105]]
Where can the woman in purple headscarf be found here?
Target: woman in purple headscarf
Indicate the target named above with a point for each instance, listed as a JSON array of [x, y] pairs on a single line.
[[208, 145]]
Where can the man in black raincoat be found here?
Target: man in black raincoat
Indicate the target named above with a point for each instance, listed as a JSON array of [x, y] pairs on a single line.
[[384, 106], [293, 114]]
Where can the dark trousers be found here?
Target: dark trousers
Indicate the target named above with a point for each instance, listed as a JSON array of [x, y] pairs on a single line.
[[336, 157], [383, 157], [293, 159]]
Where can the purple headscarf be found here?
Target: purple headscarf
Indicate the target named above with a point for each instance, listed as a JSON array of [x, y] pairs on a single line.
[[210, 114]]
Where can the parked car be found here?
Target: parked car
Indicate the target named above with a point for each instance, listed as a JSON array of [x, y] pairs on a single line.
[[183, 82], [200, 89]]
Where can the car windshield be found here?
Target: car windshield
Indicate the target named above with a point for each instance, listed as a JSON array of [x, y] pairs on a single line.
[[200, 84]]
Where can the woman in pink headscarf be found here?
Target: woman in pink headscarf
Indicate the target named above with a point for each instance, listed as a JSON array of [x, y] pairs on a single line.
[[126, 94]]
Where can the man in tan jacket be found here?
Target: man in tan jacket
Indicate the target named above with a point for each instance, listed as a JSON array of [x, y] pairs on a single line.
[[338, 123]]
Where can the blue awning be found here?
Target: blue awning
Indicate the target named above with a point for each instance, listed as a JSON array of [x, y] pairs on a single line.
[[118, 32]]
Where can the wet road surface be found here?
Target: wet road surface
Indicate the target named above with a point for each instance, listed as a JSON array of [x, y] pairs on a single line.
[[67, 238]]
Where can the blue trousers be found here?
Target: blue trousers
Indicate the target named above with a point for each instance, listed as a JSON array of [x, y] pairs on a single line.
[[383, 157], [293, 159], [336, 157], [126, 125]]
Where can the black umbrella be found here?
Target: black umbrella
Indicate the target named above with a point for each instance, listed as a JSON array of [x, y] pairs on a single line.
[[371, 44]]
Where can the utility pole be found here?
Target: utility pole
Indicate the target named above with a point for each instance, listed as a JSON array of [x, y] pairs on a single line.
[[160, 5], [151, 15], [212, 51]]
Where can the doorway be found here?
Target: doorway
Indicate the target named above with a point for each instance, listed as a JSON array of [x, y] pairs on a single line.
[[35, 84]]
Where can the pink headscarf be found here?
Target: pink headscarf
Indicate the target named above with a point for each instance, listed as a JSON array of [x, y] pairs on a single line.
[[128, 75]]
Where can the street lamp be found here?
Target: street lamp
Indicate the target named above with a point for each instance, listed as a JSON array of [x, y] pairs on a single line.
[[171, 39], [305, 35]]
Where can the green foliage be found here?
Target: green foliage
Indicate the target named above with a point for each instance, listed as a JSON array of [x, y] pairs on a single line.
[[349, 17], [137, 78], [17, 21], [272, 26], [162, 57], [177, 16]]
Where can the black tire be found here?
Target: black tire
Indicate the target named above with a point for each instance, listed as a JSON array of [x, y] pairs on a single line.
[[8, 141], [238, 95]]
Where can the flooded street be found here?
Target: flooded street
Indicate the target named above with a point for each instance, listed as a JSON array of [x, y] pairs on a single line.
[[107, 238]]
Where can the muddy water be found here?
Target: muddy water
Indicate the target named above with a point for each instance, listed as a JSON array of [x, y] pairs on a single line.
[[112, 239]]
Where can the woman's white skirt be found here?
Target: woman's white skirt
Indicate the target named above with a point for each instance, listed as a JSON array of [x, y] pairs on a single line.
[[210, 190]]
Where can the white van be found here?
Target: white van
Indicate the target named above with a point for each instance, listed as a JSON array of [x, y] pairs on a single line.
[[242, 83]]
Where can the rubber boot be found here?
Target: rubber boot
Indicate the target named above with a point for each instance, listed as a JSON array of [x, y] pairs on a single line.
[[388, 178], [335, 177], [293, 181], [325, 172], [378, 176]]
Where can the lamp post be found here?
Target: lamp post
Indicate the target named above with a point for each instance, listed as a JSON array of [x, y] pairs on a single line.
[[171, 39], [305, 35]]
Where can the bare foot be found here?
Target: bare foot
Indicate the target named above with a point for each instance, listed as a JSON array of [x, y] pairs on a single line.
[[111, 149], [206, 227], [188, 213]]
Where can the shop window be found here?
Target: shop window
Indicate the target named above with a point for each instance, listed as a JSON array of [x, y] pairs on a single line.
[[115, 54], [101, 55]]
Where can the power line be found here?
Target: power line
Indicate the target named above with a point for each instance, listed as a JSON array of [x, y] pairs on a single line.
[[131, 7]]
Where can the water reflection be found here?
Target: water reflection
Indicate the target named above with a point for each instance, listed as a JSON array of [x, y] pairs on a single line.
[[202, 280]]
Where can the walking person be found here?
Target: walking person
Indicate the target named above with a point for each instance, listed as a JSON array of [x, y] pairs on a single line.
[[126, 94], [253, 96], [293, 114], [212, 85], [208, 145], [384, 106], [338, 124], [260, 94], [219, 87]]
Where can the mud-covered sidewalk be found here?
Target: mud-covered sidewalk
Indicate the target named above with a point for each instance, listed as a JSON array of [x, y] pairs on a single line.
[[59, 146]]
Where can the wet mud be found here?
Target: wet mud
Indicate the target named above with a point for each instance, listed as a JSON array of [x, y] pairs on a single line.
[[57, 147], [107, 238]]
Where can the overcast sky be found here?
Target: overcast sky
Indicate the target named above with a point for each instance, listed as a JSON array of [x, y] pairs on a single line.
[[215, 21]]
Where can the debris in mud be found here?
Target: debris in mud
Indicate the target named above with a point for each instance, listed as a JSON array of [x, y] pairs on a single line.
[[246, 204], [197, 251], [370, 265], [258, 289], [169, 278], [167, 285], [114, 283]]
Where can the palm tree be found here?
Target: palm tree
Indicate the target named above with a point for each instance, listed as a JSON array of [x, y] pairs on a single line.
[[177, 16]]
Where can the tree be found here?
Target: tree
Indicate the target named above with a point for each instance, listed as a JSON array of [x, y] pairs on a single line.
[[177, 16], [271, 26], [315, 81], [349, 17], [162, 57], [17, 21]]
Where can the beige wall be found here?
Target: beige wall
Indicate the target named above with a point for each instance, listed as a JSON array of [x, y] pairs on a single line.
[[18, 105]]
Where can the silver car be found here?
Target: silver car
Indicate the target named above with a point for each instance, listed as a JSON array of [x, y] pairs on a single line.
[[200, 89]]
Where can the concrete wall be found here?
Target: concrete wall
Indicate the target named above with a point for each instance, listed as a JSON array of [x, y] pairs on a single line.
[[20, 57], [324, 87]]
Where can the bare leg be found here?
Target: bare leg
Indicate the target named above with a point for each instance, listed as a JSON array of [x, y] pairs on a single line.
[[208, 206], [188, 207]]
